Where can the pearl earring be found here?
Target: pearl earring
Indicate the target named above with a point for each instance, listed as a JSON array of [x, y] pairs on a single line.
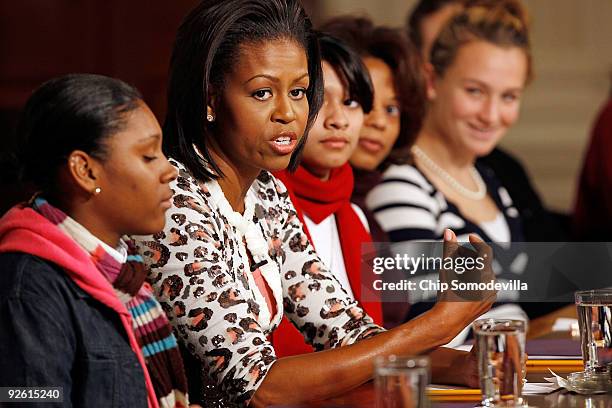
[[210, 116], [97, 191]]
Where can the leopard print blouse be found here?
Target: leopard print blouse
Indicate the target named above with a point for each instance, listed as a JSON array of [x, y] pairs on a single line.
[[200, 274]]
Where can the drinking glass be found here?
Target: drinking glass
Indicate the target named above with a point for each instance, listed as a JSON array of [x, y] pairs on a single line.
[[401, 382], [501, 361], [595, 322]]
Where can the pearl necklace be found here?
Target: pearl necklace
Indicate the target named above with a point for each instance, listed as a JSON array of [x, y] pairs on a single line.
[[481, 188]]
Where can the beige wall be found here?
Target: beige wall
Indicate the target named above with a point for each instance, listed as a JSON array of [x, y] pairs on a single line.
[[572, 48]]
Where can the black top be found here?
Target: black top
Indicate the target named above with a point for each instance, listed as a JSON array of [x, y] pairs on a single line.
[[539, 223]]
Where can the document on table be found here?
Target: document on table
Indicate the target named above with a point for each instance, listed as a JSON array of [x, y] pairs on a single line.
[[539, 388], [545, 349], [554, 349], [528, 389]]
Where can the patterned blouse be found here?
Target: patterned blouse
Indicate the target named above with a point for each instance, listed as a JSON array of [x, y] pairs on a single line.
[[201, 273]]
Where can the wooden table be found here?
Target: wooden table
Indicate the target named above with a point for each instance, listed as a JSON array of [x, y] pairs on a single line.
[[542, 326], [364, 396]]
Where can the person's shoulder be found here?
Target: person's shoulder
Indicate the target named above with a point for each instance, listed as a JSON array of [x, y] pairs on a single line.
[[361, 215], [404, 193], [603, 124], [404, 183], [501, 164], [270, 188], [190, 193], [183, 171], [186, 182], [27, 276], [273, 205], [407, 173], [503, 172], [606, 111]]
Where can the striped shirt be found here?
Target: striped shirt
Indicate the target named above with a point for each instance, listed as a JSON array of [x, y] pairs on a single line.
[[410, 208]]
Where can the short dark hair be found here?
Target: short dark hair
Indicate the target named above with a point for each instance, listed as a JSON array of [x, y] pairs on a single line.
[[394, 48], [422, 10], [68, 113], [350, 68], [206, 45]]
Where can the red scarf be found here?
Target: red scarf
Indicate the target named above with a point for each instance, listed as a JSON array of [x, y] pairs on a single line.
[[318, 200]]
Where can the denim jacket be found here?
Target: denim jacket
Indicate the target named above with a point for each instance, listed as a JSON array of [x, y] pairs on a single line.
[[53, 334]]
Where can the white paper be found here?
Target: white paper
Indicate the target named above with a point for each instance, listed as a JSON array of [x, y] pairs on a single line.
[[528, 389], [463, 347], [539, 388], [564, 324], [555, 358]]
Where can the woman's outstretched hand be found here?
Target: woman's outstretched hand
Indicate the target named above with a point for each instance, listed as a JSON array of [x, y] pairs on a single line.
[[466, 305]]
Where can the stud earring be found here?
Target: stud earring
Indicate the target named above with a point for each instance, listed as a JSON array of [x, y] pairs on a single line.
[[97, 191], [210, 116]]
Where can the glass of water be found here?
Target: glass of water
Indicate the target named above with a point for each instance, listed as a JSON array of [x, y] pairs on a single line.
[[501, 361], [595, 322], [401, 382]]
